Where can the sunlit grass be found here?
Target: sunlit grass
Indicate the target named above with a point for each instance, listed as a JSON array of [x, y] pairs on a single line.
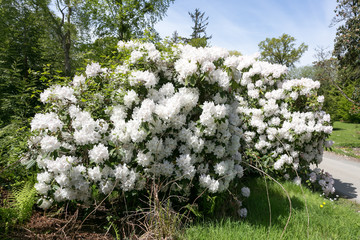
[[346, 134], [328, 220], [346, 137]]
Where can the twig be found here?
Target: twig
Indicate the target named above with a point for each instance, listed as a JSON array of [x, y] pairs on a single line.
[[11, 165], [73, 217], [287, 194], [344, 94], [306, 207], [28, 230], [96, 207], [268, 197], [269, 203], [302, 191]]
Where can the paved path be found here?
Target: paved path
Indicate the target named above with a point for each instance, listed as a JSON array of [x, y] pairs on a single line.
[[346, 173]]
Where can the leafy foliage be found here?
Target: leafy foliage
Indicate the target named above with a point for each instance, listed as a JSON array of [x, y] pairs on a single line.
[[281, 50], [302, 72], [125, 19], [347, 50], [13, 144], [325, 70], [18, 207]]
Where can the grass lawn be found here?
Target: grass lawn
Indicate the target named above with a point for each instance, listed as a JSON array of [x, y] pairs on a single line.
[[346, 137], [346, 134], [335, 220]]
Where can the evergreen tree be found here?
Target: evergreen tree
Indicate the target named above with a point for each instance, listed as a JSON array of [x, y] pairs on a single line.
[[175, 38], [198, 38]]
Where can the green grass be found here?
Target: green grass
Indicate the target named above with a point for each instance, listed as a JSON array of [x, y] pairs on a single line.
[[346, 151], [346, 137], [336, 220], [346, 134]]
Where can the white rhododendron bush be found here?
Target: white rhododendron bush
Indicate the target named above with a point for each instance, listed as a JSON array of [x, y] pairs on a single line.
[[193, 118], [284, 127]]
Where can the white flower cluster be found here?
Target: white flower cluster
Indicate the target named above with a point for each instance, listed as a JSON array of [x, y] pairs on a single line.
[[47, 121], [282, 118], [185, 114], [58, 94], [155, 123], [323, 180]]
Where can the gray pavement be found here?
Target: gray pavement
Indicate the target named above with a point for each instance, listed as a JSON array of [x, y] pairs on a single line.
[[346, 173]]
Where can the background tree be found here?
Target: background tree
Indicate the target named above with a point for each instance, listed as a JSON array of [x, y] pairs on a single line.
[[175, 38], [22, 38], [198, 37], [125, 19], [302, 72], [66, 26], [347, 50], [235, 53], [281, 50], [59, 33], [325, 72]]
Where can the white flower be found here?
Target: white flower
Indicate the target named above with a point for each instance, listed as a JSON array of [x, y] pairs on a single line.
[[127, 177], [46, 121], [130, 98], [242, 212], [329, 143], [253, 93], [297, 180], [167, 168], [94, 173], [147, 78], [45, 177], [245, 191], [106, 187], [135, 55], [207, 182], [167, 90], [99, 153], [49, 144], [294, 95], [79, 80], [313, 177], [320, 99], [58, 94], [93, 69], [184, 161], [45, 204], [42, 188], [62, 179], [222, 78], [144, 159]]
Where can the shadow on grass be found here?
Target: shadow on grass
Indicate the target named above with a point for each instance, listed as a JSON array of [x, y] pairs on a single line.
[[344, 189], [259, 208], [338, 129]]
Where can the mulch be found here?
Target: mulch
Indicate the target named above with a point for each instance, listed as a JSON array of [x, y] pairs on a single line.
[[42, 226]]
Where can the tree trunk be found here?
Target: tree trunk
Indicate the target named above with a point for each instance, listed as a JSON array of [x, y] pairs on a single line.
[[67, 46], [67, 59]]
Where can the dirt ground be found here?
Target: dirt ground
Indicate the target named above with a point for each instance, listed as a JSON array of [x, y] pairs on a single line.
[[41, 226]]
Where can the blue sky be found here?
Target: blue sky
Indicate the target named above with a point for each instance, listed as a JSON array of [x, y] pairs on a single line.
[[242, 24]]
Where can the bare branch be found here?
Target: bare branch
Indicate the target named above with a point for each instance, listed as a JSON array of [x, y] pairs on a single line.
[[343, 93]]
